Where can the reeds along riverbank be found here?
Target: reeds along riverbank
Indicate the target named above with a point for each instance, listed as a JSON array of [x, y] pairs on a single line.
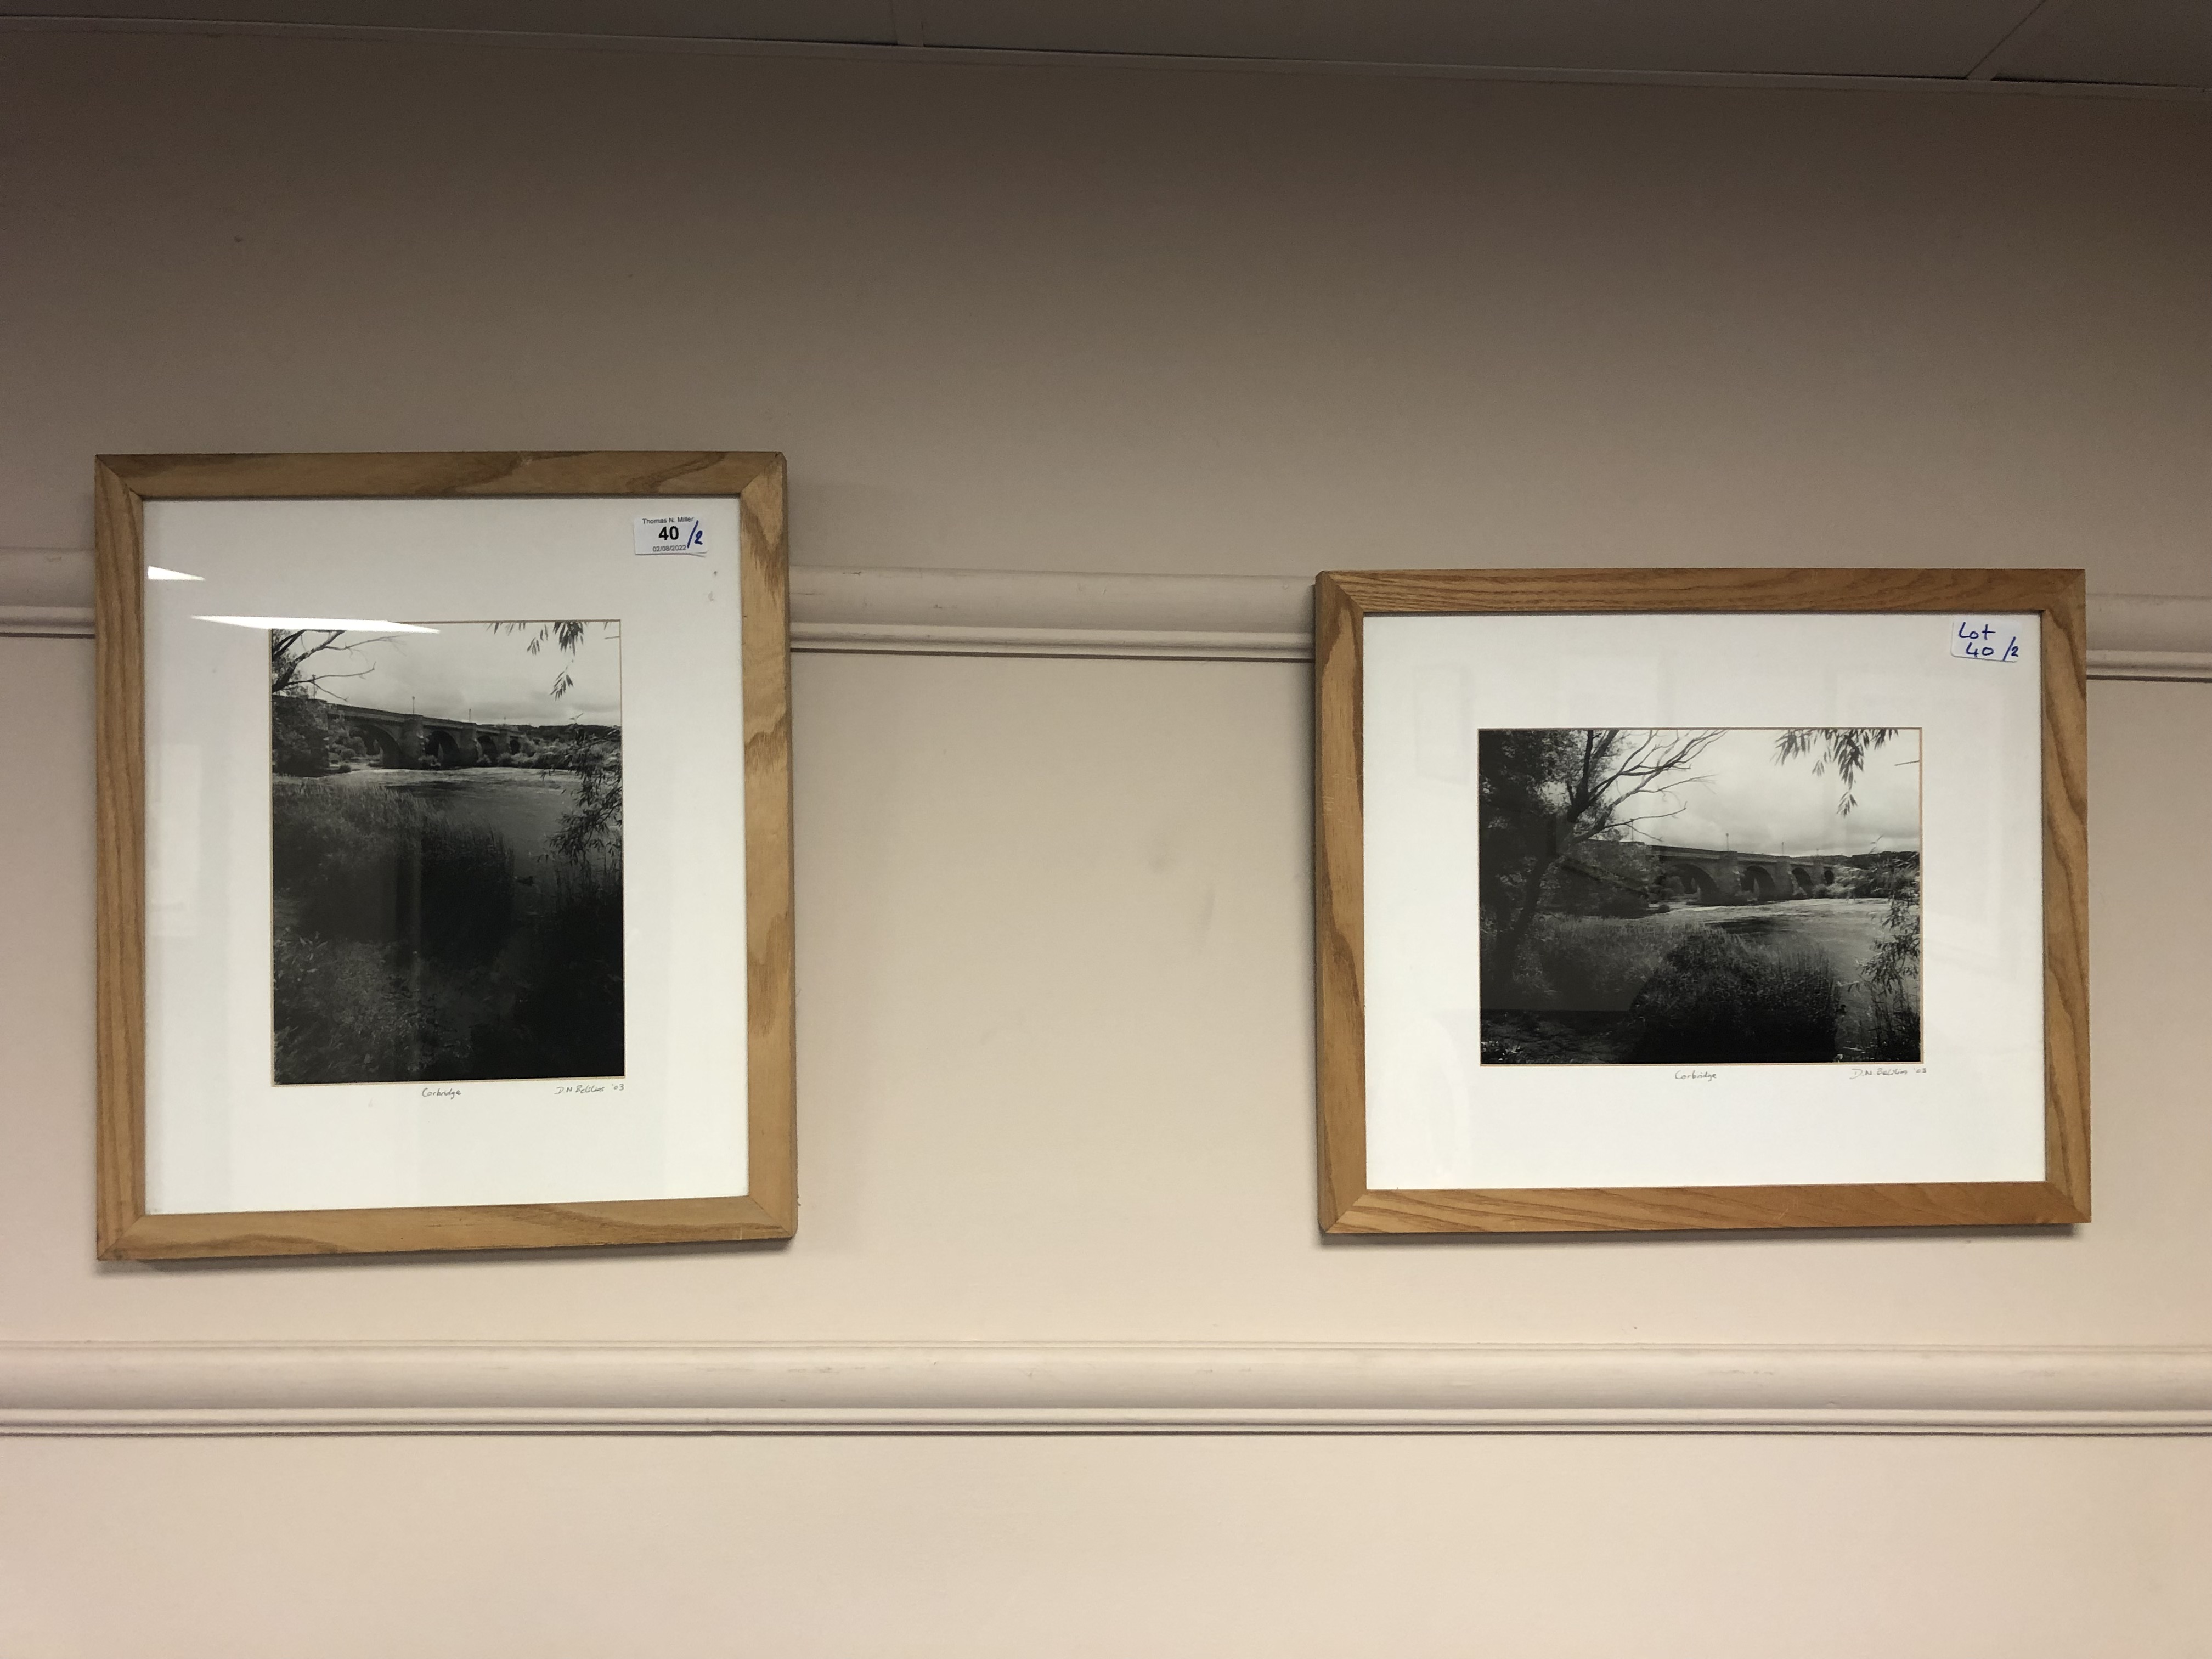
[[402, 953], [1715, 999], [1806, 982]]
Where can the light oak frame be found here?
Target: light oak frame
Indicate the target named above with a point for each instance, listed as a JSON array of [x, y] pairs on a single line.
[[122, 484], [1342, 601]]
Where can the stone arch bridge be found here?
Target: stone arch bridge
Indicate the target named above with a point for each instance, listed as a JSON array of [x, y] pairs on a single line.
[[1706, 875], [413, 739]]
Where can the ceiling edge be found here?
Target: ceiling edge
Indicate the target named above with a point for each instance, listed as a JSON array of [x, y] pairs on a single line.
[[1013, 58]]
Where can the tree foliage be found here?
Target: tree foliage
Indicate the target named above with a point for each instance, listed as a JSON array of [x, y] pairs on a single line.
[[1545, 793], [564, 637], [300, 659], [1843, 747], [591, 827], [292, 670]]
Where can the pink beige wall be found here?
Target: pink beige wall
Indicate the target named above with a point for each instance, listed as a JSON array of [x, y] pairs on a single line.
[[1055, 1014]]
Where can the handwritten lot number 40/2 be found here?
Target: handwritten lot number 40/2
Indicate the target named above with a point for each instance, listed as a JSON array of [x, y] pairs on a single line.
[[1986, 642]]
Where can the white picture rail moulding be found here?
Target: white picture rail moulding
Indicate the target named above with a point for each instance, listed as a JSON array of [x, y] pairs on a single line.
[[254, 1388], [457, 1387], [1012, 613]]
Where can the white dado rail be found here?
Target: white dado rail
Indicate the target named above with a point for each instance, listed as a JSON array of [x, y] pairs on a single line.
[[114, 1388], [1036, 614]]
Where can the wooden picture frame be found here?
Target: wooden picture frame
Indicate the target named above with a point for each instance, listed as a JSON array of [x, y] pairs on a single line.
[[1344, 603], [753, 484]]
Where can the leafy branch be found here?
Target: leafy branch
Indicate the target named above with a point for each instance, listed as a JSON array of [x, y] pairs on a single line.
[[1843, 747], [564, 637]]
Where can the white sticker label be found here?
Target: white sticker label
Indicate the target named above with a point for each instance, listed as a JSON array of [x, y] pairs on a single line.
[[1985, 642], [684, 535]]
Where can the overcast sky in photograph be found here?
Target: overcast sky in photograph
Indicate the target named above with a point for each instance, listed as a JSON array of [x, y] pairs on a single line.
[[1748, 802], [466, 671]]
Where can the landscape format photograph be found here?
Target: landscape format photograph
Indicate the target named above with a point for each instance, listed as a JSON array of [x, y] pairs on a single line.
[[1678, 897], [446, 848]]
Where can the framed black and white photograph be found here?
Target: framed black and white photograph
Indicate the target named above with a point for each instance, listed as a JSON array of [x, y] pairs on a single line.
[[1712, 895], [445, 852], [1684, 899], [446, 856]]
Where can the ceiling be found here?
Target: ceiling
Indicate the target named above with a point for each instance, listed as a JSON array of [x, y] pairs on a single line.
[[2147, 45]]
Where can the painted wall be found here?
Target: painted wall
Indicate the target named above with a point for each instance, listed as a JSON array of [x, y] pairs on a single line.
[[1054, 1011]]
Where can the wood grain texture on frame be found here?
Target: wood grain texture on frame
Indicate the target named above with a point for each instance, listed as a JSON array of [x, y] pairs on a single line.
[[1342, 601], [122, 484]]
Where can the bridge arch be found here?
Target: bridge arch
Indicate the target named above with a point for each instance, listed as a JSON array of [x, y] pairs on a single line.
[[1804, 878], [440, 744], [1685, 880], [384, 743], [1758, 881]]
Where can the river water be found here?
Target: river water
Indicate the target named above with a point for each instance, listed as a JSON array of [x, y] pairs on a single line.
[[1844, 930], [444, 966], [522, 806]]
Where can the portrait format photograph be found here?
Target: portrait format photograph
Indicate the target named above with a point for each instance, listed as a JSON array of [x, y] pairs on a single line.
[[445, 851], [445, 868], [1699, 899]]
